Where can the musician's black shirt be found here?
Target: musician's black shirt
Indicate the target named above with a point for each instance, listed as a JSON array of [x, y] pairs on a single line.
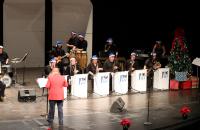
[[133, 64], [82, 45], [108, 66], [3, 57]]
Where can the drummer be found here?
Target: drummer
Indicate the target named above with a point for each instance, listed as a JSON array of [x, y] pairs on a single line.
[[82, 43], [4, 59]]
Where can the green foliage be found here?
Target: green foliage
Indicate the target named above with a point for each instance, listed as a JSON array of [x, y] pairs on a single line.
[[179, 59]]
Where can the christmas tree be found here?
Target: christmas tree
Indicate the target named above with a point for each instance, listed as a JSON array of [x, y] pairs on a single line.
[[179, 60]]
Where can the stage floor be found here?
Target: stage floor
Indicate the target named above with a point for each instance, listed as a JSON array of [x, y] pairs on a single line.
[[93, 113]]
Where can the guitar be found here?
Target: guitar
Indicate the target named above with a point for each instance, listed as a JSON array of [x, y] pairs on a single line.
[[59, 58]]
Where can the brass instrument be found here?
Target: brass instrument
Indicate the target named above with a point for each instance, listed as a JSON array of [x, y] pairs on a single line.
[[156, 65], [114, 65], [97, 68], [131, 69]]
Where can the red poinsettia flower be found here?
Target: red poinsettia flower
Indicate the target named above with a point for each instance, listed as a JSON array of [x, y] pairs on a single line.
[[185, 110], [125, 122]]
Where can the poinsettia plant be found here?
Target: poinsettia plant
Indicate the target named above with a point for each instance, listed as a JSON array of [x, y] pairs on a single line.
[[125, 122], [184, 111]]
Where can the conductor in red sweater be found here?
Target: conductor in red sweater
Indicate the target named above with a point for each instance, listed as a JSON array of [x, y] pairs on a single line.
[[55, 85]]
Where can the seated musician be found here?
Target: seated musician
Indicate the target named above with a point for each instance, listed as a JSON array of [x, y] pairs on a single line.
[[72, 42], [4, 59], [62, 58], [59, 51], [94, 66], [72, 69], [48, 68], [131, 65], [2, 91], [111, 65], [151, 64]]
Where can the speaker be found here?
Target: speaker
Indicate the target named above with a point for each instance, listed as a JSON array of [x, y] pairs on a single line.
[[117, 105], [26, 95]]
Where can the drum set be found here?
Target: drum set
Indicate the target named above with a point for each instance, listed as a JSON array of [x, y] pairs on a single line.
[[5, 72]]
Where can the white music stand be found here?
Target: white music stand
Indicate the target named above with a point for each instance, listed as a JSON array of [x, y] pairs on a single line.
[[196, 62]]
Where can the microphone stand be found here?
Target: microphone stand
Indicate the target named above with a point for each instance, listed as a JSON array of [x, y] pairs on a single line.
[[147, 123], [24, 67]]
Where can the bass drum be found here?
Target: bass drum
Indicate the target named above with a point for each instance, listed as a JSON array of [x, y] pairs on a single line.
[[6, 80]]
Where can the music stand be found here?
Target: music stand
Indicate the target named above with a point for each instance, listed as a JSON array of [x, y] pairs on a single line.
[[19, 60], [196, 62], [24, 60]]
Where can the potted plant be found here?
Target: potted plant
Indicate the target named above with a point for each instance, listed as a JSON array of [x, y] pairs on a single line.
[[126, 123], [184, 112]]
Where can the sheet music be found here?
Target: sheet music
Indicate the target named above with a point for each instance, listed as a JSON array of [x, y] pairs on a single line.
[[42, 82], [196, 61]]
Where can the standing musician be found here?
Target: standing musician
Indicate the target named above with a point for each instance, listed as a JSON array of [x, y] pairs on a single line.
[[110, 47], [72, 42], [81, 51], [93, 67], [159, 49], [131, 65], [151, 64], [82, 44]]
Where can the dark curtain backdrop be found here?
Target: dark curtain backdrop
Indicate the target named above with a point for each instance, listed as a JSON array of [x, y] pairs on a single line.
[[137, 25]]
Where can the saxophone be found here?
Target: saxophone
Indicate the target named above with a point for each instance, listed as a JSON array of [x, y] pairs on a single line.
[[131, 69], [156, 65], [97, 68], [114, 65]]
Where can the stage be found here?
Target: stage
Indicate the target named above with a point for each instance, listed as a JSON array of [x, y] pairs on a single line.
[[93, 113]]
